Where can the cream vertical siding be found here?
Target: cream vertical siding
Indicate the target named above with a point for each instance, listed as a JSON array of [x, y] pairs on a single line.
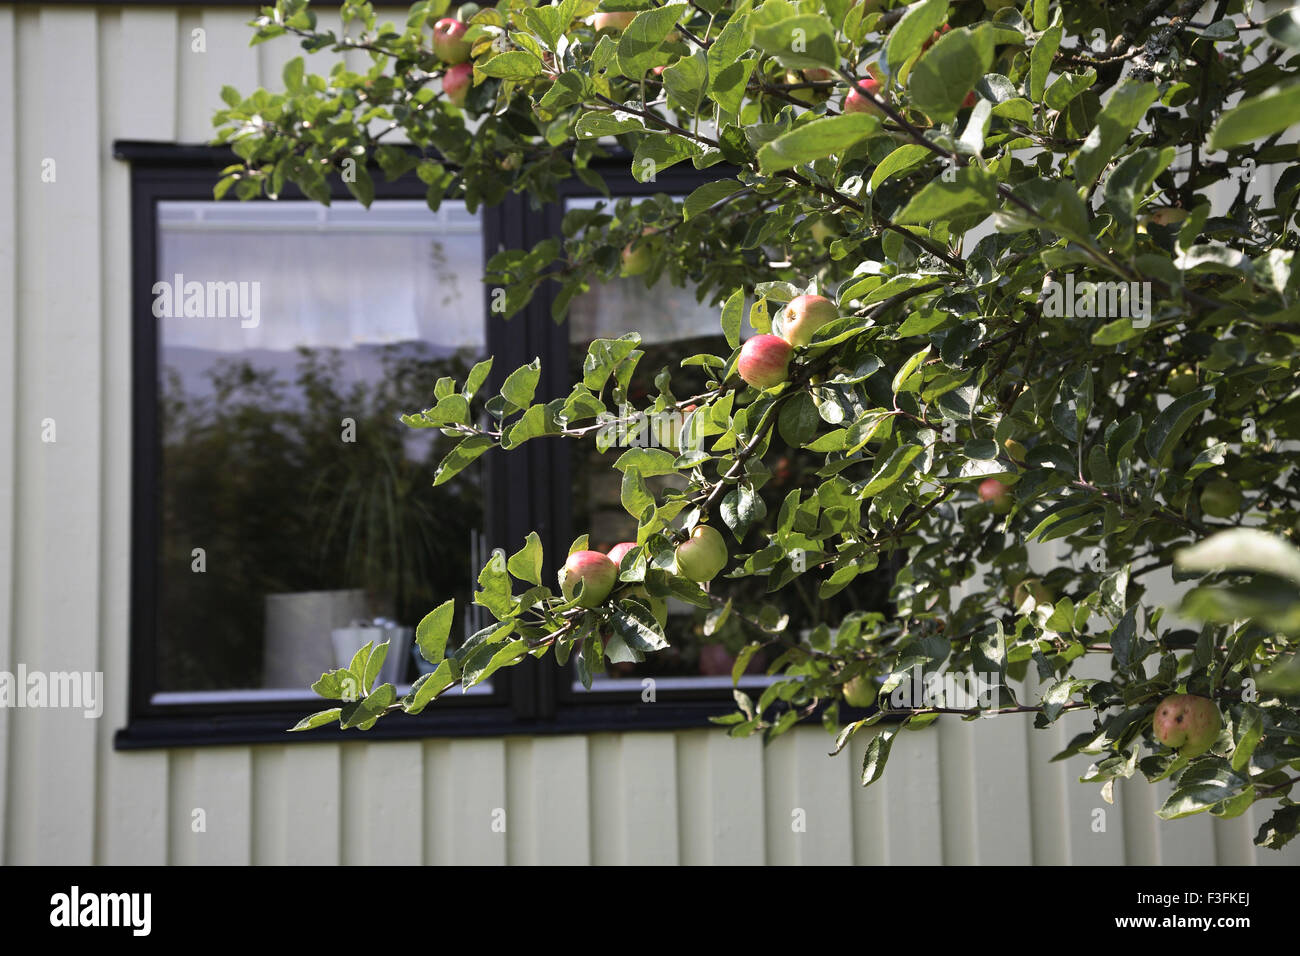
[[77, 78]]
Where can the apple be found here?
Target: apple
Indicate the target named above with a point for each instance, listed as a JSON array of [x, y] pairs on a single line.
[[449, 41], [456, 82], [809, 95], [701, 556], [996, 494], [1181, 381], [597, 573], [935, 36], [969, 101], [636, 260], [1221, 498], [619, 550], [1032, 588], [857, 102], [1187, 723], [804, 315], [615, 22], [1164, 216], [765, 361], [860, 691]]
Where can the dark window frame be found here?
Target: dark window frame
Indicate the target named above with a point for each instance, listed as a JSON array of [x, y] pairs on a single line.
[[535, 697]]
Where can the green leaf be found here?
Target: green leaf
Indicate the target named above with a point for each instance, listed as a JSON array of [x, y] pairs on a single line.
[[318, 719], [521, 384], [902, 160], [798, 420], [1126, 106], [969, 190], [895, 466], [340, 684], [1259, 117], [374, 664], [905, 372], [637, 625], [647, 462], [643, 37], [732, 313], [512, 65], [363, 713], [478, 670], [427, 687], [806, 41], [873, 763], [942, 78], [657, 152], [708, 195], [461, 457], [1250, 729], [526, 563], [1040, 61], [816, 140], [1242, 549], [917, 25], [1169, 426]]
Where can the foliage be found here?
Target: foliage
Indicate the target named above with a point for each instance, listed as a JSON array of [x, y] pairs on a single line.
[[1034, 285]]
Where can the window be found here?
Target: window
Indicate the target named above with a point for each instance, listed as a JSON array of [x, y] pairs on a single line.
[[281, 514]]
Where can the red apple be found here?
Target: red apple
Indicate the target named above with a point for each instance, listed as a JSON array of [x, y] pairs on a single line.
[[804, 315], [617, 552], [456, 82], [765, 361], [701, 556], [1188, 723], [597, 573], [969, 101], [616, 22], [997, 494], [449, 41], [935, 36], [857, 102]]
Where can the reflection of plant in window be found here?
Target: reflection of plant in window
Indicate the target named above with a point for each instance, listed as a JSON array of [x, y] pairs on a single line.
[[284, 495]]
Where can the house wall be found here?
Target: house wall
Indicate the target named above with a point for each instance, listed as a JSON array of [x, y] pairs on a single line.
[[75, 78]]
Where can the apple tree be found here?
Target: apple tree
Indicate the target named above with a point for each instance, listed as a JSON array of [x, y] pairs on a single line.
[[1020, 287]]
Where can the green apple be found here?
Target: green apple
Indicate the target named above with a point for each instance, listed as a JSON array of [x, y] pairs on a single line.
[[615, 22], [1015, 450], [1181, 381], [860, 691], [1221, 498], [804, 315], [1187, 723], [704, 554], [597, 573]]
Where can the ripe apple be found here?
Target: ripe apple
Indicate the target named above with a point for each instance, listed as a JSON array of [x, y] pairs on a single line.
[[597, 573], [1188, 723], [449, 41], [996, 494], [617, 552], [701, 556], [856, 102], [456, 82], [1221, 498], [1181, 381], [765, 361], [804, 315], [615, 22], [935, 36], [860, 691]]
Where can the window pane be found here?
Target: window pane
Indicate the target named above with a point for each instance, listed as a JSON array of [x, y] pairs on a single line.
[[297, 511]]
